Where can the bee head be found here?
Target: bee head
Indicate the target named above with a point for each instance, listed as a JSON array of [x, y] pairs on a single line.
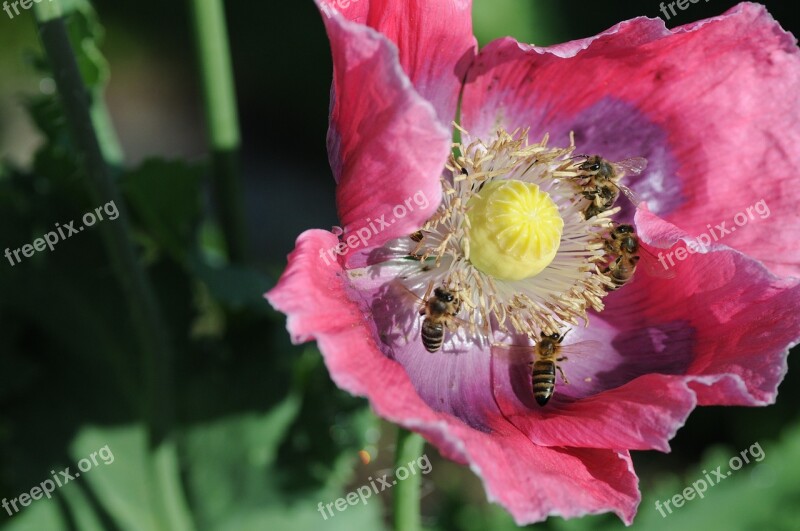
[[557, 337], [443, 295], [554, 337], [625, 229], [597, 165], [592, 164]]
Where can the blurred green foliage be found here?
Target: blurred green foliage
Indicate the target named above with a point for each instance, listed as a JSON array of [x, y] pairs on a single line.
[[71, 379]]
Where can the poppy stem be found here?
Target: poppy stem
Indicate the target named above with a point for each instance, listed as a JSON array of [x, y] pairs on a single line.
[[214, 61], [407, 490], [154, 344]]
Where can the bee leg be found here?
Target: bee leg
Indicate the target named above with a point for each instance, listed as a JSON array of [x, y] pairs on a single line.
[[561, 371], [452, 327]]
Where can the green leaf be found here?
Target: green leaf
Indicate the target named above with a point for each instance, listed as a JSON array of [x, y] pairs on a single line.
[[232, 458], [122, 479], [235, 287], [532, 22], [36, 517], [235, 481], [166, 204]]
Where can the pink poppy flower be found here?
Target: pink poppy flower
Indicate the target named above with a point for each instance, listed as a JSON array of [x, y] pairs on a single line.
[[504, 227]]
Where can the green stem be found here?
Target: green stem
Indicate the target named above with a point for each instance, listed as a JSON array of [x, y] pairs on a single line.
[[109, 143], [154, 344], [407, 492], [214, 61], [101, 119]]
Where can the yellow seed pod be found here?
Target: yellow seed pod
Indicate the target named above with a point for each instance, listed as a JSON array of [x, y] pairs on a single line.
[[514, 229]]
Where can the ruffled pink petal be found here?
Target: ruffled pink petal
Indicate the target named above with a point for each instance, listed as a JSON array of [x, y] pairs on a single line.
[[387, 147], [745, 320], [514, 85], [712, 106], [532, 482], [434, 39], [643, 414], [716, 334]]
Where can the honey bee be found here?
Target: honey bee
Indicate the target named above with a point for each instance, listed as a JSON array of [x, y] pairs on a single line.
[[548, 352], [416, 236], [543, 369], [440, 311], [621, 270], [622, 241], [602, 182], [623, 247], [602, 198]]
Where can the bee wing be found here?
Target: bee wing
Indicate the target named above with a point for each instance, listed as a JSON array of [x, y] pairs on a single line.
[[582, 348], [630, 194], [652, 266], [659, 271], [517, 354], [632, 166], [461, 324], [527, 353], [405, 292]]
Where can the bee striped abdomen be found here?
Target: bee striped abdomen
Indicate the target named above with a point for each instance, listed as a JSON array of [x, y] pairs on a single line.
[[432, 335], [544, 380]]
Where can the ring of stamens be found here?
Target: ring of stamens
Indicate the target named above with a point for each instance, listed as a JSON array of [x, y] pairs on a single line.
[[558, 296]]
